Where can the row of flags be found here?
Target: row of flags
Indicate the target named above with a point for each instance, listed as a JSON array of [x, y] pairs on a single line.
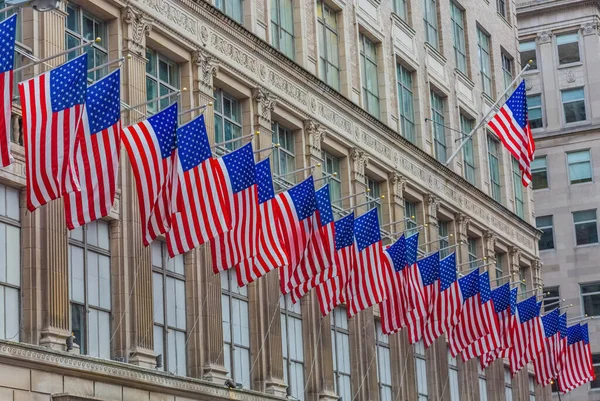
[[73, 137]]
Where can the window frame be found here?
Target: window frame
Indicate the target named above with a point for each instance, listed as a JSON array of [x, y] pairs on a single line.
[[431, 7], [407, 123], [172, 89], [468, 165], [585, 108], [578, 41], [282, 150], [536, 170], [323, 27], [482, 382], [410, 223], [534, 65], [519, 200], [507, 68], [289, 313], [508, 387], [277, 25], [472, 252], [443, 238], [330, 160], [485, 53], [401, 9], [545, 227], [589, 294], [589, 161], [238, 16], [495, 184], [596, 368], [220, 96], [438, 118], [498, 267], [577, 245], [458, 28], [336, 333], [367, 60], [453, 385], [501, 8], [382, 344], [540, 107], [420, 357], [373, 196]]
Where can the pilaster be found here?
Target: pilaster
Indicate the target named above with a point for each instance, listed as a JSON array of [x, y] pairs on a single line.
[[316, 135], [489, 252]]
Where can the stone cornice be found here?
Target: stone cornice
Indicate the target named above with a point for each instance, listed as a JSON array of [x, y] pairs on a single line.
[[552, 6], [42, 358], [258, 64]]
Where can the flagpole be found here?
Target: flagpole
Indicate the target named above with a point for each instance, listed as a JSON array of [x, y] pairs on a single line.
[[351, 196], [204, 106], [156, 99], [364, 203], [397, 221], [327, 177], [298, 171], [214, 145], [117, 60], [483, 120], [473, 261], [6, 9], [273, 146], [81, 46]]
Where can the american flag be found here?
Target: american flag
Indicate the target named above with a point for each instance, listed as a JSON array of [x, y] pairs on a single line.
[[332, 292], [150, 145], [505, 302], [393, 308], [320, 251], [423, 287], [97, 153], [576, 367], [528, 335], [297, 205], [546, 364], [470, 326], [410, 260], [7, 58], [447, 305], [241, 196], [200, 211], [52, 105], [511, 124], [488, 315], [365, 281], [271, 251]]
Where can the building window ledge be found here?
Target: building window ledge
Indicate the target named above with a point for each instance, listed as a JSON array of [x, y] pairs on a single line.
[[569, 65], [587, 245]]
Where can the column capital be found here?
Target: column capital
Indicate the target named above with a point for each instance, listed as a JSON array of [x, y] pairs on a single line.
[[137, 26], [398, 186], [208, 67], [462, 223], [515, 257], [316, 135], [266, 103], [589, 28], [360, 161], [544, 37], [490, 241]]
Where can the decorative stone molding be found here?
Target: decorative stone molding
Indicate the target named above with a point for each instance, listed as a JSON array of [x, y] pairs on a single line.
[[462, 223], [316, 135], [138, 26], [515, 258], [544, 37], [69, 397], [208, 67], [266, 102], [360, 161], [490, 242], [589, 28], [433, 202], [398, 185], [570, 76]]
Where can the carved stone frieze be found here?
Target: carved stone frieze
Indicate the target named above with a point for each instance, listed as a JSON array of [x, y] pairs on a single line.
[[316, 134], [208, 67], [266, 102], [360, 161], [137, 26]]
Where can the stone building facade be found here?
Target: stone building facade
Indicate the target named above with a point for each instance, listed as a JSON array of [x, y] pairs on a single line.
[[564, 100], [375, 91]]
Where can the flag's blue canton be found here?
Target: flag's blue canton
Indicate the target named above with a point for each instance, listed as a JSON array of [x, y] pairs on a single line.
[[514, 294], [366, 230], [397, 252], [447, 271], [550, 323], [574, 334], [469, 285], [484, 287], [517, 103], [324, 205], [412, 245], [164, 124], [240, 167], [103, 102], [528, 309], [68, 84], [303, 197], [585, 336], [8, 28], [562, 325], [429, 268], [264, 181], [501, 297], [192, 141], [344, 232]]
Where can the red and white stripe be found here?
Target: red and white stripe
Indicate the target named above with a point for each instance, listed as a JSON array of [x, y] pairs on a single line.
[[97, 158], [365, 280], [527, 343], [507, 323], [314, 281], [546, 365], [447, 307], [6, 89], [491, 340], [332, 292], [576, 367], [470, 326], [50, 140], [392, 309], [420, 301]]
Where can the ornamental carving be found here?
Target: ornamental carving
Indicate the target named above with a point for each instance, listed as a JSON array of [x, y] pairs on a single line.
[[544, 37], [266, 102], [515, 258], [570, 76], [490, 241], [462, 223], [360, 161], [208, 67], [138, 26], [589, 28], [433, 204], [398, 183], [316, 135], [233, 53]]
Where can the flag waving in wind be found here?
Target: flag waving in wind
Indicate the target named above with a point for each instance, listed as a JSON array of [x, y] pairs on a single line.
[[393, 308], [505, 304], [423, 287], [52, 105], [547, 363], [8, 29], [576, 366], [97, 153], [528, 335]]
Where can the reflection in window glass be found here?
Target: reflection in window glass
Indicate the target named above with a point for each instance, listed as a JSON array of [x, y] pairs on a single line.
[[568, 48], [586, 227], [580, 167]]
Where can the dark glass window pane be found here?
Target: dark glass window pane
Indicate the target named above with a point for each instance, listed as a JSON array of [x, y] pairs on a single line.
[[568, 48], [527, 50], [586, 233], [78, 326], [544, 223]]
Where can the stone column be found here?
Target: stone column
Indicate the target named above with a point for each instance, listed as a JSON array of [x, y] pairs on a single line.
[[546, 59], [589, 31], [489, 252]]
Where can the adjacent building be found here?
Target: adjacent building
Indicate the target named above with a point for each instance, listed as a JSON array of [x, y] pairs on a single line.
[[563, 93], [379, 92]]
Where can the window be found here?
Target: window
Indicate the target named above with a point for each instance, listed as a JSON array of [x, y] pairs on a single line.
[[341, 353], [534, 111], [400, 9], [236, 328], [327, 32], [284, 158], [282, 26], [10, 263], [444, 238], [580, 166], [494, 162], [568, 48], [590, 296], [168, 288], [596, 362], [518, 188], [472, 250], [384, 364], [228, 121], [573, 105], [501, 6], [544, 223], [507, 385], [528, 53], [439, 132], [483, 50], [292, 346], [421, 371], [405, 103], [89, 288], [466, 126], [531, 388], [499, 267], [431, 23], [551, 297], [539, 173], [331, 165], [410, 213], [586, 228], [374, 196], [506, 69], [482, 384], [231, 8], [162, 78], [453, 377], [370, 86], [458, 32], [523, 282], [81, 27]]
